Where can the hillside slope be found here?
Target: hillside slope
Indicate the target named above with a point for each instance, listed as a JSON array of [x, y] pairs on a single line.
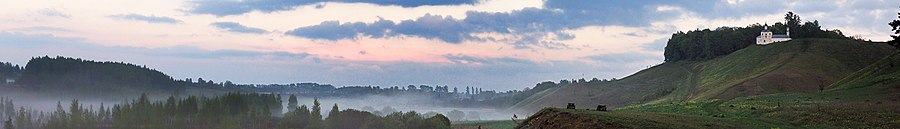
[[805, 65], [883, 75]]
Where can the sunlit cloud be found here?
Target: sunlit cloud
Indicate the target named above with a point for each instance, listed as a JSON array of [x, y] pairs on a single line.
[[223, 8], [237, 27], [145, 18]]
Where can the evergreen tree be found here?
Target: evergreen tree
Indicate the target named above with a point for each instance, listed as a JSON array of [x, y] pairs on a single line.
[[315, 119], [296, 119], [331, 121], [292, 102]]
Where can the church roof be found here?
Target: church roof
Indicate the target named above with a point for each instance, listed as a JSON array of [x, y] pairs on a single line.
[[766, 30], [780, 36]]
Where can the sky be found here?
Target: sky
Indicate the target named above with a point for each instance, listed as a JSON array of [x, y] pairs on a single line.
[[493, 44]]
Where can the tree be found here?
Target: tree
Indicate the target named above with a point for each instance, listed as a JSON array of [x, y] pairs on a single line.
[[315, 119], [438, 121], [468, 90], [296, 119], [895, 26], [792, 20], [456, 115], [292, 102], [334, 113], [411, 87]]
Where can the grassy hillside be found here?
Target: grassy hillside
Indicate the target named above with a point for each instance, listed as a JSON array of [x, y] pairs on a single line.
[[867, 98], [883, 74], [654, 83], [797, 66], [804, 65]]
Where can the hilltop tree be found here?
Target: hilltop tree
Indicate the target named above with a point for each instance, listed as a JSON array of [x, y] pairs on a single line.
[[792, 20], [895, 26]]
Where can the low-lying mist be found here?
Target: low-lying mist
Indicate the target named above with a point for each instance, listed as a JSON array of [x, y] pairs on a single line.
[[382, 105], [376, 104]]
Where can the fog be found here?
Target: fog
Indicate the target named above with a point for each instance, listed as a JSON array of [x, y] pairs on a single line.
[[402, 103], [47, 101], [376, 104]]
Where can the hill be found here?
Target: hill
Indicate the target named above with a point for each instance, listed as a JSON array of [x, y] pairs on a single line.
[[91, 78], [864, 99], [797, 66]]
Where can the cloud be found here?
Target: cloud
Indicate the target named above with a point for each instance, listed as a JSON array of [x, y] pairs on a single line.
[[334, 30], [46, 41], [237, 27], [532, 25], [149, 19], [467, 59], [42, 29], [53, 13], [525, 28], [234, 7], [193, 52]]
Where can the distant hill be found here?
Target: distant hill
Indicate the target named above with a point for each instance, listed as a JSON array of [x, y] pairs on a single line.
[[802, 65], [92, 78]]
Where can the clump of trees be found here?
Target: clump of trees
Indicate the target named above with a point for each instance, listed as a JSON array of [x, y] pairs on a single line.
[[706, 44], [306, 118]]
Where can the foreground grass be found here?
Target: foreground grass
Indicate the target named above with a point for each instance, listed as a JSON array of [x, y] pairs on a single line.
[[850, 108], [488, 124]]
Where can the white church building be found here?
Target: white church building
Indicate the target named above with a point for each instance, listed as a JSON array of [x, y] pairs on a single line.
[[766, 36]]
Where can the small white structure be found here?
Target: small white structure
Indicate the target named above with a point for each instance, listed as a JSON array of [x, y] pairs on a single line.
[[10, 81], [766, 36]]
